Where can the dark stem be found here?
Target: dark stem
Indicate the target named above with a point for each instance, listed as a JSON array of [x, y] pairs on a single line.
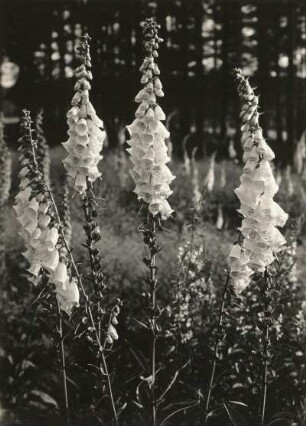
[[63, 365], [149, 237], [264, 376], [87, 204], [266, 344], [153, 283], [216, 347], [86, 207]]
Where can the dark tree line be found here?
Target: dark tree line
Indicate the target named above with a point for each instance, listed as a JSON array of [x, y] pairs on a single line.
[[204, 40]]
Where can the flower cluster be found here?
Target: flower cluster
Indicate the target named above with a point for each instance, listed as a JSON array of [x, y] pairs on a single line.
[[35, 213], [261, 214], [148, 149], [86, 133]]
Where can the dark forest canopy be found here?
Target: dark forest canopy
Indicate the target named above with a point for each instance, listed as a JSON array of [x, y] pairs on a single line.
[[203, 42]]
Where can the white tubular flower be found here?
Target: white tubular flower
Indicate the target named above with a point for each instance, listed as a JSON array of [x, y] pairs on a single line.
[[86, 132], [148, 149], [262, 215], [240, 272], [68, 296]]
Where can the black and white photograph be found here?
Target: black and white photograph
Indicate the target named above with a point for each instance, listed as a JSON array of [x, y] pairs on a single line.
[[153, 212]]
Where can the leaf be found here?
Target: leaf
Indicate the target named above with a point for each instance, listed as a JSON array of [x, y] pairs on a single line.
[[44, 397], [27, 364], [173, 380], [142, 324], [238, 403], [164, 421], [280, 419], [121, 409], [214, 411], [285, 415], [138, 356], [235, 417]]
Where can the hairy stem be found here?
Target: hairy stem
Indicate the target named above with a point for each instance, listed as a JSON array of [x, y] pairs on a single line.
[[264, 377], [149, 237], [216, 347], [153, 280], [87, 207], [266, 345]]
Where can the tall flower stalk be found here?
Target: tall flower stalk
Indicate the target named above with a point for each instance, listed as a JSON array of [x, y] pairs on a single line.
[[84, 146], [35, 213], [43, 157], [152, 177], [46, 251], [260, 238]]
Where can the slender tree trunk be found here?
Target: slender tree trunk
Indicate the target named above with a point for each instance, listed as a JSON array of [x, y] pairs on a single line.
[[225, 68], [291, 143]]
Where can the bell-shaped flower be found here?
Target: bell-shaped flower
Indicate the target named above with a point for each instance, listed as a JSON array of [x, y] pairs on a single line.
[[262, 215], [68, 296]]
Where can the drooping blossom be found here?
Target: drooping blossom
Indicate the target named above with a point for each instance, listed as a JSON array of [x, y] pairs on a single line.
[[220, 218], [209, 181], [86, 131], [45, 249], [148, 149], [262, 216]]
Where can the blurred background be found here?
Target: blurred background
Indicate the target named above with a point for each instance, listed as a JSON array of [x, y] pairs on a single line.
[[203, 41]]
